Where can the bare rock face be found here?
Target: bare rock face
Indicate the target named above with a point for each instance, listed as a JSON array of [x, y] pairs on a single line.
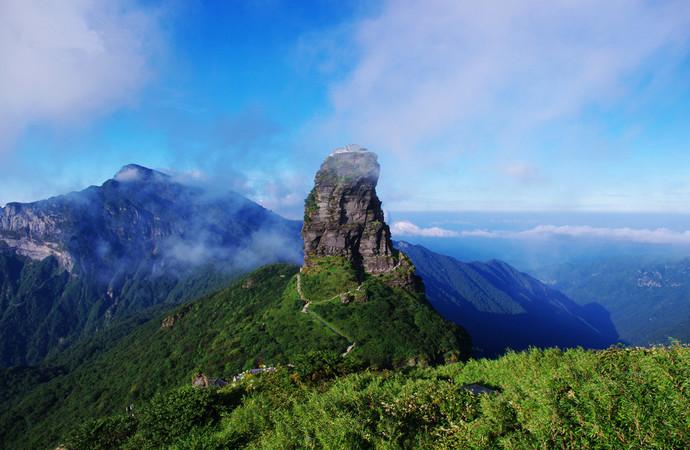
[[343, 215]]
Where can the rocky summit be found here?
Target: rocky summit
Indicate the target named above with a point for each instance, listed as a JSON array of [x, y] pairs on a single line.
[[73, 264], [343, 215]]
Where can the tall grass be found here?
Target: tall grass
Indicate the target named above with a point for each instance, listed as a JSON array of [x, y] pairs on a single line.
[[574, 399]]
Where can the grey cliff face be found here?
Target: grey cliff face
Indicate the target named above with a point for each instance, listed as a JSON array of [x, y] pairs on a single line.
[[138, 215], [33, 232], [343, 215]]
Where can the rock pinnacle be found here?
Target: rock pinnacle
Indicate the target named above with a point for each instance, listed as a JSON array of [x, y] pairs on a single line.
[[343, 215]]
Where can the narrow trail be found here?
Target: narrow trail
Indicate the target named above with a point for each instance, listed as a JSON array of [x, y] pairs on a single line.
[[323, 321], [349, 349], [301, 294]]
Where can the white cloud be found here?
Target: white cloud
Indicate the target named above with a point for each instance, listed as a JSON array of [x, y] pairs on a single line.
[[639, 235], [406, 228], [128, 174], [522, 172], [429, 75], [277, 190], [66, 61]]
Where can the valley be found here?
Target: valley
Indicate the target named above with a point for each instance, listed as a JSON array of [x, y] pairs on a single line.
[[364, 319]]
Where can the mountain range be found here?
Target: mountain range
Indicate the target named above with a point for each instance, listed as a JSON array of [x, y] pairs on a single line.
[[112, 296], [504, 308], [647, 297], [72, 264], [356, 300]]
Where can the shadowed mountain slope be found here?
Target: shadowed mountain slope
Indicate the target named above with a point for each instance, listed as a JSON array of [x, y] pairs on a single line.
[[503, 308], [649, 300]]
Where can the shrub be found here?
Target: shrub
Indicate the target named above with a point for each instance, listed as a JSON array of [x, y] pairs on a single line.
[[169, 416], [106, 433], [322, 365]]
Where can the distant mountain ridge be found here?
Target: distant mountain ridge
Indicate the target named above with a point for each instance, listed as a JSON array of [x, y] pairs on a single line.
[[503, 308], [75, 261], [139, 213], [649, 300]]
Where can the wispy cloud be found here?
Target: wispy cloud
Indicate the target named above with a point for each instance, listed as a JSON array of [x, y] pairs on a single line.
[[432, 75], [244, 152], [642, 235], [522, 172], [68, 61], [279, 191], [407, 228], [639, 235], [128, 174]]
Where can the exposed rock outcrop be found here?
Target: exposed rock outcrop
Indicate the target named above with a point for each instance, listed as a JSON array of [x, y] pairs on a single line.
[[140, 214], [202, 381], [343, 217], [140, 239]]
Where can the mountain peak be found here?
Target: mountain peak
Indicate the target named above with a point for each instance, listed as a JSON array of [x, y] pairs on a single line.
[[349, 163], [135, 172], [343, 217]]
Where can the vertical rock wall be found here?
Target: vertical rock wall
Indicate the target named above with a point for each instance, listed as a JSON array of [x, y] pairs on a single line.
[[343, 215]]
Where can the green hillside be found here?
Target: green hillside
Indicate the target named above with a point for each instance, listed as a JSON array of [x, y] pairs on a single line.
[[616, 398], [258, 320], [41, 305]]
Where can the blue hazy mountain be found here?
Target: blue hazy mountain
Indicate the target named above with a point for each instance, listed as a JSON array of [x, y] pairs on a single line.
[[503, 308], [649, 298]]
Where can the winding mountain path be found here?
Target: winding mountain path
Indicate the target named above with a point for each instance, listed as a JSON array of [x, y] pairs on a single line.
[[301, 294], [323, 321]]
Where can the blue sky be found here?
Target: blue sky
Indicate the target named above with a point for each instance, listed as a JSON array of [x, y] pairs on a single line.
[[484, 106]]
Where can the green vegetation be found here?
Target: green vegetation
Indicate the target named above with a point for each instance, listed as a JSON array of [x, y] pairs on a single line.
[[221, 334], [616, 398], [310, 205], [44, 310], [17, 381], [258, 320], [404, 269], [327, 277], [130, 388], [392, 328]]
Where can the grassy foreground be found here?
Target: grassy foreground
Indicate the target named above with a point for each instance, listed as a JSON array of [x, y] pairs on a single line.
[[616, 398]]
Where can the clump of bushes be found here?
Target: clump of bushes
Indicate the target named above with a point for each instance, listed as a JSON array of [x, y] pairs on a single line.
[[166, 419], [327, 276], [616, 398], [310, 205]]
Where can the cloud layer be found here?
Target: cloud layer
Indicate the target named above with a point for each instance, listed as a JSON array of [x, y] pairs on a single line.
[[639, 235], [406, 228], [436, 75], [66, 61]]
